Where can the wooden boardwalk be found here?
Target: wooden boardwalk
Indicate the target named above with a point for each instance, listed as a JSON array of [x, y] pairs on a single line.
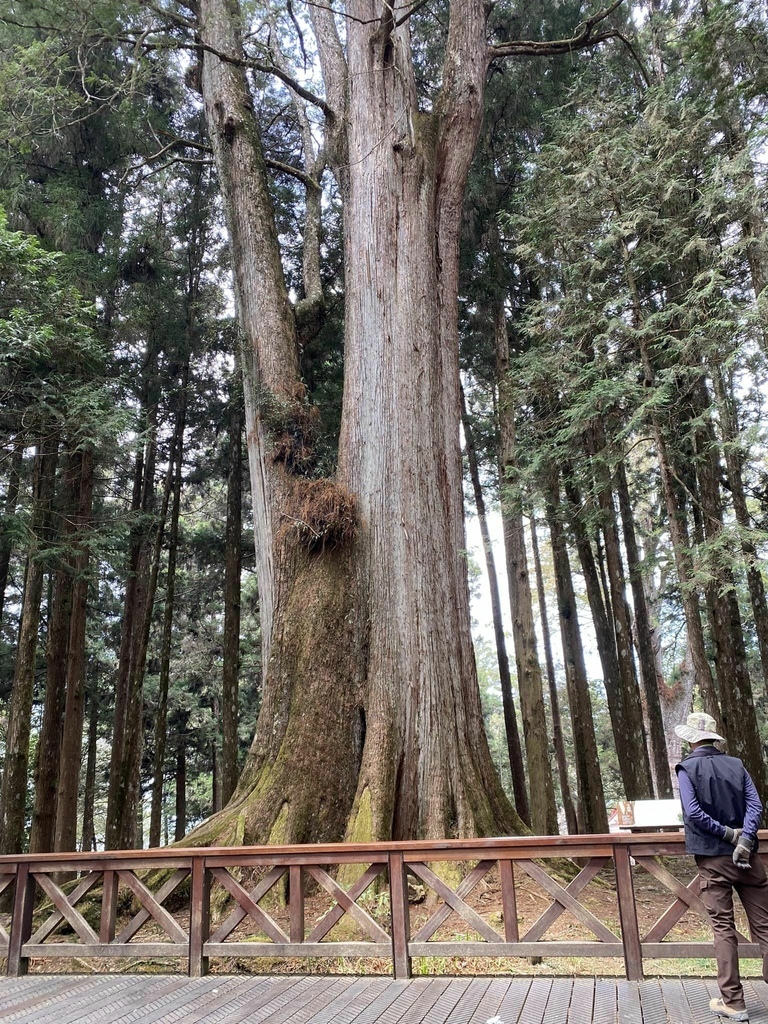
[[173, 999]]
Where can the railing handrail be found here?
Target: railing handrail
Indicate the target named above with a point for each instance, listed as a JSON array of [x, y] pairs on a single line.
[[22, 874], [417, 846]]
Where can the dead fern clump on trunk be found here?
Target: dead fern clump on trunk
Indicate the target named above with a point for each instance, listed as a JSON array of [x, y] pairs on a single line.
[[323, 516]]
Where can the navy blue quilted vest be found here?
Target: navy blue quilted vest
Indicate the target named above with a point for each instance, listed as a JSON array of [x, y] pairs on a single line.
[[719, 783]]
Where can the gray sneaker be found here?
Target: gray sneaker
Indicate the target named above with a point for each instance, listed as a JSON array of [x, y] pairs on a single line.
[[718, 1006]]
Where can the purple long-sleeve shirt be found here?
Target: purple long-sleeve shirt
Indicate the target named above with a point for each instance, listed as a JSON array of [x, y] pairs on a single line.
[[695, 813]]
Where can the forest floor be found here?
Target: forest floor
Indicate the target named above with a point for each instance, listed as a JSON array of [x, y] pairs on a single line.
[[599, 897]]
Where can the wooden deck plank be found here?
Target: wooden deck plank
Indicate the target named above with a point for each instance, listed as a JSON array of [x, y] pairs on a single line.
[[355, 994], [652, 1003], [169, 996], [371, 1014], [297, 1011], [582, 1000], [756, 994], [243, 999], [536, 1003], [76, 1004], [407, 996], [125, 1002], [255, 1006], [559, 1001], [606, 1001], [629, 1008], [469, 1001], [678, 1010], [488, 1007]]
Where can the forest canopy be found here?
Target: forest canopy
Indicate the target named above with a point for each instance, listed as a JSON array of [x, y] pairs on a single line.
[[289, 294]]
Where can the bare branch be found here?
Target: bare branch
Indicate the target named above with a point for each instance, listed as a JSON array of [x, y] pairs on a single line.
[[295, 172], [583, 36]]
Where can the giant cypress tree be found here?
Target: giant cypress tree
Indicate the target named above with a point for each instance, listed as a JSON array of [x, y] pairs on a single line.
[[362, 579]]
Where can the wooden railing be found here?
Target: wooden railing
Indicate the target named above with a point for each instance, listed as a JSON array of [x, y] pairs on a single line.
[[251, 902]]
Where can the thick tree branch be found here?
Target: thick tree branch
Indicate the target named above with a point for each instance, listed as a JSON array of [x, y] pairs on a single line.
[[583, 36], [295, 172]]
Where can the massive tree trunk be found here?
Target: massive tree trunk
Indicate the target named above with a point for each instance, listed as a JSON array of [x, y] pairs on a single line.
[[362, 579]]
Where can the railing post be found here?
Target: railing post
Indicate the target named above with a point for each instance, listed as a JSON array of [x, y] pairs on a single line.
[[199, 917], [296, 908], [630, 932], [108, 906], [401, 918], [21, 921]]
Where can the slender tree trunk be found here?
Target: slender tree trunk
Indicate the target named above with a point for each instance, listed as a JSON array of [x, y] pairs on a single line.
[[88, 840], [554, 700], [181, 787], [589, 781], [161, 716], [626, 715], [13, 794], [43, 828], [734, 461], [529, 678], [122, 798], [232, 571], [675, 516], [734, 686], [11, 499], [514, 750], [652, 682], [72, 731]]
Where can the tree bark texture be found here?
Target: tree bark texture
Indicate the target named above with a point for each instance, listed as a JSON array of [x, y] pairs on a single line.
[[88, 838], [161, 716], [529, 679], [734, 685], [232, 569], [366, 643], [122, 796], [734, 461], [569, 807], [11, 498], [517, 768], [43, 827], [651, 679], [72, 727], [13, 793], [626, 713], [588, 778]]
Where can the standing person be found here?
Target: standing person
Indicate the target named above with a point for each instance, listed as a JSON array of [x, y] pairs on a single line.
[[722, 813]]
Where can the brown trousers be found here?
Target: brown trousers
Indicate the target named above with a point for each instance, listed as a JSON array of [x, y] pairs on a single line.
[[719, 877]]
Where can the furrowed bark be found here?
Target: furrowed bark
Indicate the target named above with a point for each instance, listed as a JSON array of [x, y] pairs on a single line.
[[11, 498]]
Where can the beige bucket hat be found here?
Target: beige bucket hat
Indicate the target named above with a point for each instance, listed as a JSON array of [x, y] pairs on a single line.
[[698, 727]]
